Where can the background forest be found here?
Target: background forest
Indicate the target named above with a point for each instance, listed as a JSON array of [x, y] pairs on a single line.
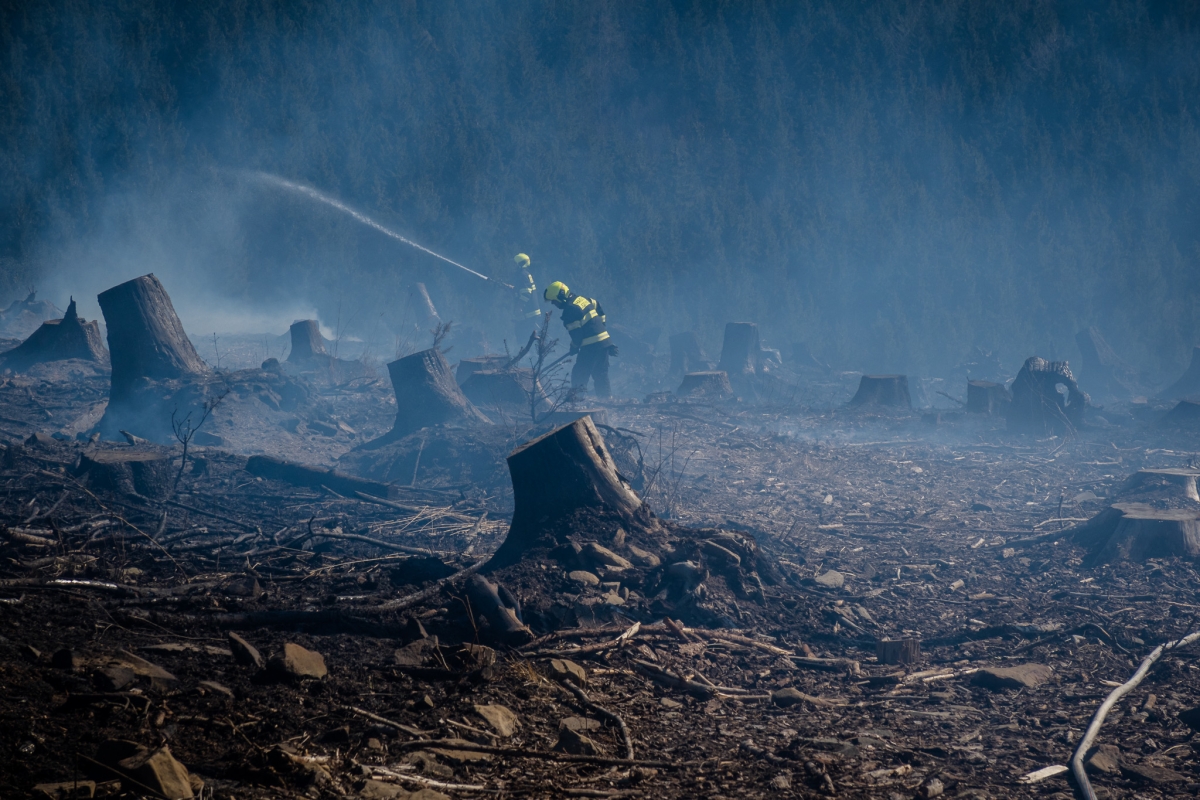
[[890, 182]]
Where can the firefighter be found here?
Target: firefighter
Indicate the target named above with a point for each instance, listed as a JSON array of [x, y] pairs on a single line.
[[590, 343], [527, 313]]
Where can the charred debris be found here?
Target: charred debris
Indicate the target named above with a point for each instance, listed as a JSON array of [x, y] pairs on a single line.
[[769, 578]]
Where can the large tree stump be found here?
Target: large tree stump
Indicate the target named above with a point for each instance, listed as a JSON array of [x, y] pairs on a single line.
[[427, 394], [140, 470], [1188, 383], [1103, 370], [1136, 532], [740, 350], [1185, 414], [1183, 482], [58, 340], [883, 390], [307, 342], [1038, 406], [563, 479], [686, 355], [145, 337], [712, 383], [986, 397]]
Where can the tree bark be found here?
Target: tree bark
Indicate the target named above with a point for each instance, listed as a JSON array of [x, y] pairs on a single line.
[[145, 337], [143, 471], [883, 390], [307, 342], [427, 394], [986, 397], [469, 366], [58, 340], [1037, 406], [686, 354], [1184, 481], [561, 480], [491, 387], [712, 383], [1136, 532]]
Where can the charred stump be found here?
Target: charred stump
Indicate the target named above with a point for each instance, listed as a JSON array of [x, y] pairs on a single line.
[[493, 387], [1181, 482], [307, 342], [882, 390], [1185, 414], [563, 481], [740, 351], [1038, 406], [686, 354], [145, 337], [986, 397], [58, 340], [1136, 531], [1103, 370], [147, 472], [712, 384], [427, 394], [1188, 383], [469, 366]]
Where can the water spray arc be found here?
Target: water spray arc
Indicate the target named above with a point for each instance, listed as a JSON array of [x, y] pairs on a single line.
[[320, 197]]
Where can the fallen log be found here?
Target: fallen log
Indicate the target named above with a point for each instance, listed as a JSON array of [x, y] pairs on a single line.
[[302, 475]]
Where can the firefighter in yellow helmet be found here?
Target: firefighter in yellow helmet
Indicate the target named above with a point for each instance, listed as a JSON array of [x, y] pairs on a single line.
[[527, 315], [584, 320]]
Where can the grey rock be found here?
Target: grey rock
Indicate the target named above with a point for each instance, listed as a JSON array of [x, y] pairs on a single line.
[[576, 743], [831, 579], [501, 718], [599, 554], [244, 653], [584, 577], [787, 697], [295, 662], [113, 678], [563, 670], [643, 558], [1024, 676], [579, 724], [1106, 758]]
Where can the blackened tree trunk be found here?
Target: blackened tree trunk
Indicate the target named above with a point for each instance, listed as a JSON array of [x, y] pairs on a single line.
[[739, 350], [469, 366], [139, 470], [565, 478], [145, 337], [307, 342], [58, 340], [686, 355], [986, 397], [883, 390], [427, 394]]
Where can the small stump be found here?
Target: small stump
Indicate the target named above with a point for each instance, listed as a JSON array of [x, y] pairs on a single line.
[[58, 340], [1038, 406], [739, 350], [986, 397], [712, 383], [307, 342], [134, 471], [898, 651], [469, 366], [492, 387], [427, 394], [883, 390]]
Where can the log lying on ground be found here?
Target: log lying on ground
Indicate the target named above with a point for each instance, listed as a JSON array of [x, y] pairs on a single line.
[[427, 394], [142, 470], [302, 475], [307, 342], [986, 397], [145, 337], [1104, 372], [713, 383], [1185, 414], [1188, 383], [686, 354], [883, 390], [557, 480], [1136, 532], [58, 340], [1037, 406]]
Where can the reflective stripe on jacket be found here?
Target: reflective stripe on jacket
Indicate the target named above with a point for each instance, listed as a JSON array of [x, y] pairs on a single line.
[[584, 320]]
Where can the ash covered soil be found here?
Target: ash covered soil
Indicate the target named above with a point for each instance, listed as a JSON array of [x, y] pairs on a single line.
[[117, 609]]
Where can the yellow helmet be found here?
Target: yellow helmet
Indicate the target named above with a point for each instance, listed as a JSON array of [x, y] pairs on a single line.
[[522, 260], [556, 291]]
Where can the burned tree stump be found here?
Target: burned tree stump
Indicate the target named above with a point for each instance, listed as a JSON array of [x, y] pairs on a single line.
[[491, 387], [58, 340], [147, 472], [739, 350], [563, 480], [1103, 370], [1135, 531], [712, 383], [686, 354], [986, 397], [882, 390], [1182, 481], [427, 394], [307, 342], [145, 337], [1188, 383], [1037, 404], [1186, 414], [898, 651], [469, 366]]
